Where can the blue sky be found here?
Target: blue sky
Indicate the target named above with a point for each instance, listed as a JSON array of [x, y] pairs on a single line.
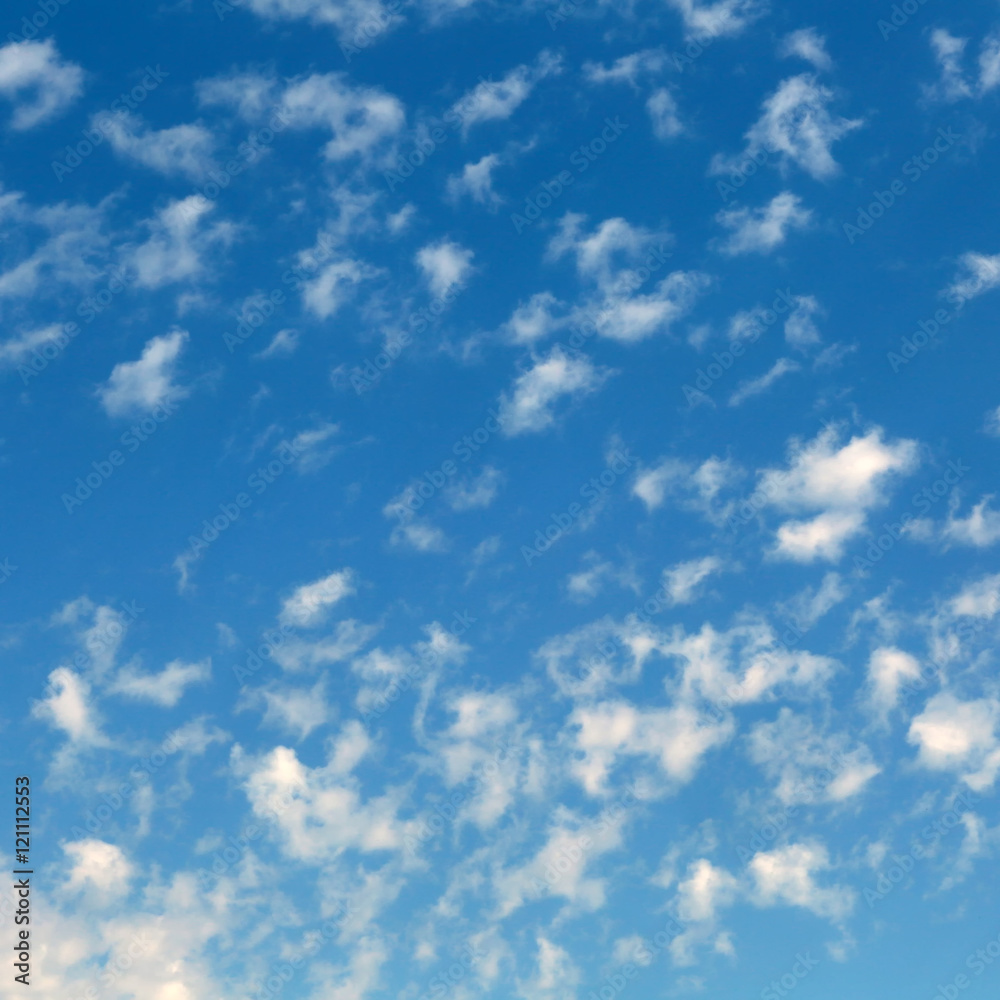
[[501, 498]]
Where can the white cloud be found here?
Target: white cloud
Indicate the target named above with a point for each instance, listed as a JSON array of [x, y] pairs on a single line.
[[979, 599], [309, 606], [676, 739], [786, 875], [250, 94], [808, 44], [476, 181], [346, 17], [68, 707], [411, 531], [681, 581], [628, 69], [796, 124], [72, 252], [312, 449], [18, 349], [761, 230], [888, 670], [703, 891], [980, 529], [295, 710], [534, 320], [283, 344], [529, 407], [959, 736], [698, 487], [138, 387], [182, 149], [98, 865], [363, 120], [555, 978], [800, 330], [662, 108], [612, 259], [334, 285], [446, 265], [954, 83], [475, 493], [39, 83], [602, 255], [843, 482], [319, 812], [808, 765], [489, 101], [754, 387], [180, 239], [165, 688], [722, 17], [991, 424], [978, 273]]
